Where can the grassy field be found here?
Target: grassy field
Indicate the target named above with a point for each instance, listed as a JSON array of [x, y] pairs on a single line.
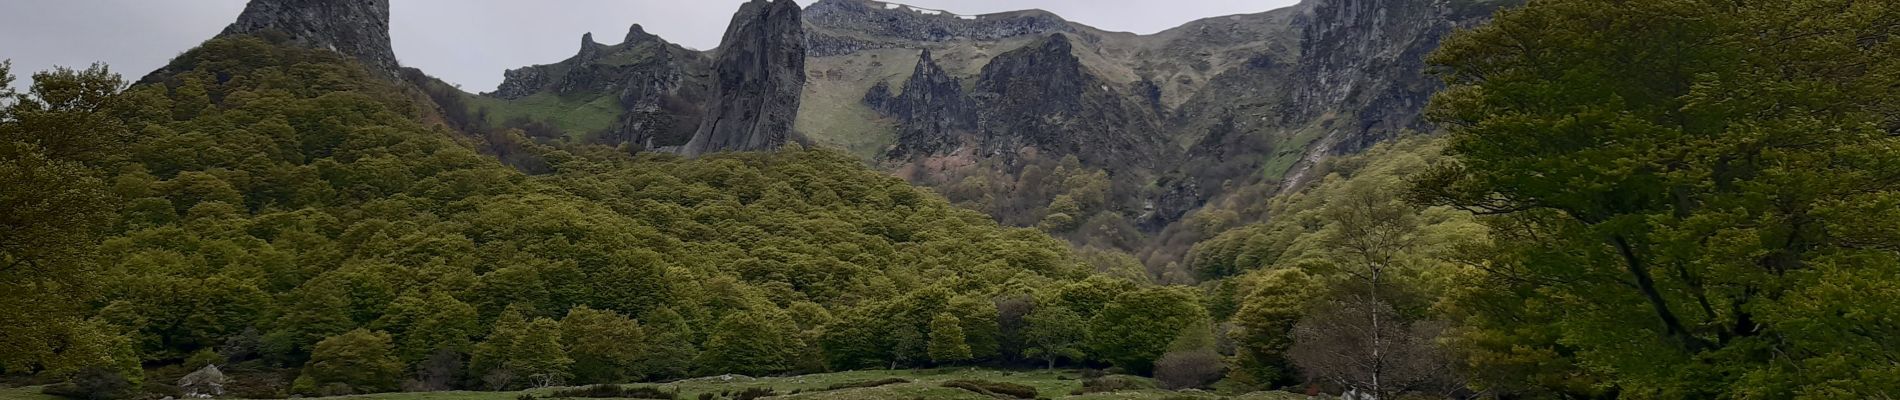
[[924, 384]]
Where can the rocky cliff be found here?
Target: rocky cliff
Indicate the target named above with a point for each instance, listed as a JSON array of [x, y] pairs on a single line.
[[357, 28], [934, 113], [661, 88], [1217, 112], [847, 26], [1041, 98], [758, 75]]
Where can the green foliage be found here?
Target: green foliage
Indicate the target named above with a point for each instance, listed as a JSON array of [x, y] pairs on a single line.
[[521, 353], [1139, 325], [671, 347], [1690, 195], [285, 191], [750, 342], [1052, 331], [424, 326], [946, 340], [606, 347], [1264, 326], [361, 359]]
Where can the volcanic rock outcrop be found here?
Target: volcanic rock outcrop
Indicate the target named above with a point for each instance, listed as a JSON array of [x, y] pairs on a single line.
[[758, 76]]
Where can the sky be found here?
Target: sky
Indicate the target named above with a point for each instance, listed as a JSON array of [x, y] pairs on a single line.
[[470, 42]]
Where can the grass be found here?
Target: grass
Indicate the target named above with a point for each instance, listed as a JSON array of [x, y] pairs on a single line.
[[577, 116], [923, 384], [25, 393], [1289, 152], [832, 111]]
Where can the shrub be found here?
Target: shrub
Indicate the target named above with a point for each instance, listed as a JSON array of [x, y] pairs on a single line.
[[994, 388], [1188, 369], [866, 384], [612, 391], [706, 396], [524, 396], [1112, 383], [755, 393], [93, 384]]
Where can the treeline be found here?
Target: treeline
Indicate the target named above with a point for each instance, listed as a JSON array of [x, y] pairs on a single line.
[[283, 215]]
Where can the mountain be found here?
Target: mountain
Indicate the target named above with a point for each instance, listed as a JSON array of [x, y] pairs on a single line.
[[358, 29], [662, 87], [656, 95], [1214, 114], [758, 74]]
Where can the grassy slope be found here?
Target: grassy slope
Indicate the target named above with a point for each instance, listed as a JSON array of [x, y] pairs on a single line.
[[832, 111], [925, 384], [577, 116]]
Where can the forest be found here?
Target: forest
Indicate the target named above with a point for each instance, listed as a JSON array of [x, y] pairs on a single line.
[[1665, 199]]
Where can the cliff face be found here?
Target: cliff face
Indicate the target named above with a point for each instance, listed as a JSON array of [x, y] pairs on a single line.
[[665, 97], [1041, 98], [357, 28], [661, 87], [1216, 113], [758, 76], [848, 26], [934, 115]]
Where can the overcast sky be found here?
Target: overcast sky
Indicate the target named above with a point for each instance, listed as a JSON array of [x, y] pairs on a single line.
[[470, 42]]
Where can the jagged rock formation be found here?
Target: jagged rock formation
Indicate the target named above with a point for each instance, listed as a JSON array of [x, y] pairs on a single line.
[[1217, 112], [847, 26], [934, 113], [357, 28], [1041, 97], [758, 76], [661, 87], [664, 97]]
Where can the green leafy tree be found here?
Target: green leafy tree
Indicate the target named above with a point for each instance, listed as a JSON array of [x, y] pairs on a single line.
[[1052, 332], [361, 359], [981, 330], [54, 143], [606, 347], [1137, 327], [1264, 327], [670, 344], [748, 342], [1696, 184], [946, 340], [426, 325], [521, 353]]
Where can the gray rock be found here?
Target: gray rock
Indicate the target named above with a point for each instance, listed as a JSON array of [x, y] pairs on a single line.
[[356, 28], [932, 112], [758, 77]]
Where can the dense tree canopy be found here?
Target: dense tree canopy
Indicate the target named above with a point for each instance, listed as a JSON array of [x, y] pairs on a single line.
[[281, 208], [1692, 197]]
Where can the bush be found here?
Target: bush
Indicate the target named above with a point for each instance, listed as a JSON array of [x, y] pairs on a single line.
[[1188, 369], [706, 396], [93, 384], [866, 384], [994, 388], [612, 391], [524, 396], [1112, 383], [755, 393]]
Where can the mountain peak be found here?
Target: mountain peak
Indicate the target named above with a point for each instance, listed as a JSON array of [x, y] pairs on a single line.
[[356, 28], [759, 75], [637, 34]]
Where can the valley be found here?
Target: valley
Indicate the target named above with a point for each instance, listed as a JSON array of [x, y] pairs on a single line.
[[856, 199]]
